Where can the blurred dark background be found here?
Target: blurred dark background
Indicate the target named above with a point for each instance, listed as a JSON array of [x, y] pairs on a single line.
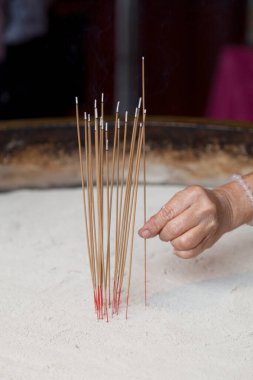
[[198, 56]]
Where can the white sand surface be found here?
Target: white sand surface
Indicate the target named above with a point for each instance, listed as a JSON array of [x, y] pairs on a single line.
[[198, 325]]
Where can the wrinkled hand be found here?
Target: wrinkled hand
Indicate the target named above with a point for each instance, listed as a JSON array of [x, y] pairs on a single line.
[[193, 220]]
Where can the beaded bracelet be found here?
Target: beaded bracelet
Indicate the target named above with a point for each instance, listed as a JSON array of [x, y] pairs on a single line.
[[246, 189]]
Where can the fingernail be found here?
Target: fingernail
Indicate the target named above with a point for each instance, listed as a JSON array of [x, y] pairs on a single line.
[[145, 234]]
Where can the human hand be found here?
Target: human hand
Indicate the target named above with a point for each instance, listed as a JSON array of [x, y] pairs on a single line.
[[192, 221]]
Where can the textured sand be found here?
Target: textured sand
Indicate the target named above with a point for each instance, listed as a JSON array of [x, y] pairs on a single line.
[[198, 325]]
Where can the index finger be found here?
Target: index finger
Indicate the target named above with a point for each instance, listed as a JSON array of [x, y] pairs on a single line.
[[175, 206]]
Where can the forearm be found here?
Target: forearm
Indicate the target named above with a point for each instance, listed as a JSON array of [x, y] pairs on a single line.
[[238, 209]]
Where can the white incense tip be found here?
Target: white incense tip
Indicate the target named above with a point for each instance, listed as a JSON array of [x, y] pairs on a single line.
[[136, 112], [106, 145], [118, 123], [95, 103], [88, 117], [142, 58], [126, 115], [101, 123], [85, 116], [117, 108], [140, 125], [102, 97], [106, 127], [76, 99], [96, 113], [145, 111], [139, 105]]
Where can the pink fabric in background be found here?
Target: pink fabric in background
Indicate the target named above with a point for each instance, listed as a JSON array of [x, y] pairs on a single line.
[[231, 96]]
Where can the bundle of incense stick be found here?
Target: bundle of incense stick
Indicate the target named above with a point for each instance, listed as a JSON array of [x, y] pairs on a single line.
[[111, 190]]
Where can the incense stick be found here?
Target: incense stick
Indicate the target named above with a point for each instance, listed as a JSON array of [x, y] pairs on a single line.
[[90, 226], [134, 213], [83, 182], [127, 210], [108, 261], [123, 176], [144, 174]]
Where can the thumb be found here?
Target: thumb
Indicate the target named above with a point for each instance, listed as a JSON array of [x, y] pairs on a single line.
[[169, 211]]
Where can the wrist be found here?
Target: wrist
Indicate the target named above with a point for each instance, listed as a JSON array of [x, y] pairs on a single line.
[[236, 204], [225, 209]]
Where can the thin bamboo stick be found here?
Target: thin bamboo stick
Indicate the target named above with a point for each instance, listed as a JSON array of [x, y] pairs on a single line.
[[117, 200], [91, 193], [131, 213], [112, 174], [123, 173], [90, 226], [108, 261], [82, 179], [97, 177], [140, 142], [126, 211], [144, 176], [123, 170]]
